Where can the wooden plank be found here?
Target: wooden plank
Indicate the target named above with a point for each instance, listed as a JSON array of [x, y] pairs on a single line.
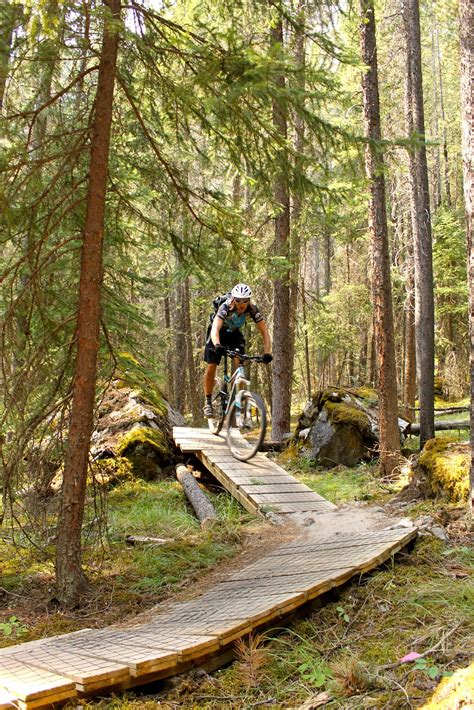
[[273, 488], [341, 542], [224, 631], [298, 497], [7, 700], [144, 649], [86, 672], [233, 471], [136, 660], [311, 507], [28, 683], [257, 479]]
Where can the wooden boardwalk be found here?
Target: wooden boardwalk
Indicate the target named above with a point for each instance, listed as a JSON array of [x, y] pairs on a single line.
[[260, 485], [201, 630]]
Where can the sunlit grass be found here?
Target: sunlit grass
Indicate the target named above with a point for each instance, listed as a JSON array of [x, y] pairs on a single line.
[[339, 484], [125, 579]]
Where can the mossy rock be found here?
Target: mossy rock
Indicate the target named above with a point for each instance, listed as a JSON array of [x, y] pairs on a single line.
[[446, 464], [346, 414], [109, 472], [147, 450]]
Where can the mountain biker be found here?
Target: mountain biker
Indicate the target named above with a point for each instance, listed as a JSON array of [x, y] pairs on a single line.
[[224, 332]]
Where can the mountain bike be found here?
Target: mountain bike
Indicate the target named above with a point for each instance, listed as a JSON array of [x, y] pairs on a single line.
[[242, 411]]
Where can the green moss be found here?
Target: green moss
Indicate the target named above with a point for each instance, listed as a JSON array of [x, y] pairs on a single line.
[[153, 438], [366, 393], [108, 472], [447, 465], [342, 413]]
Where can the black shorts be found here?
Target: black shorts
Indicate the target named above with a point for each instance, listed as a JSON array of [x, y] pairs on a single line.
[[232, 339]]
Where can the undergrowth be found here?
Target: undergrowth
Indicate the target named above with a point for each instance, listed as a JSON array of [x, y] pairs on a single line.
[[347, 653], [124, 579]]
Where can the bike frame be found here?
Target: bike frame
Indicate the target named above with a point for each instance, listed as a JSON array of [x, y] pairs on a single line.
[[237, 381]]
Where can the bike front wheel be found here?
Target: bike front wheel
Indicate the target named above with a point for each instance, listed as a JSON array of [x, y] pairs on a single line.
[[216, 422], [246, 425]]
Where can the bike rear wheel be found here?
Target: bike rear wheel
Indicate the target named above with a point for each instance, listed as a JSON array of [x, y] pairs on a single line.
[[216, 422], [246, 425]]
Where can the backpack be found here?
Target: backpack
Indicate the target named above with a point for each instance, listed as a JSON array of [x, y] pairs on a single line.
[[217, 303]]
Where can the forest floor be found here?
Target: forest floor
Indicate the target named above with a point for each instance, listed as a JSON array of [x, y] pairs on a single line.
[[345, 654]]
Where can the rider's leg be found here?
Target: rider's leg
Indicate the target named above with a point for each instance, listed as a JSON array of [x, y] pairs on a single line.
[[209, 378]]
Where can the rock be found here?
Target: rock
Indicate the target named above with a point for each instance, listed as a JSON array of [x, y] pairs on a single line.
[[340, 427], [341, 434]]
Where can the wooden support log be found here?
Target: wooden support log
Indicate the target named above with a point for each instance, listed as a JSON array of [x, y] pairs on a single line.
[[414, 429], [137, 539], [444, 410], [203, 507]]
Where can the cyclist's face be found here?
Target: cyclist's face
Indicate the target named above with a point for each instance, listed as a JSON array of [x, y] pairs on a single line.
[[241, 304]]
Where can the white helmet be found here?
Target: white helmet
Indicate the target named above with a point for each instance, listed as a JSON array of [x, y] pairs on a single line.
[[241, 291]]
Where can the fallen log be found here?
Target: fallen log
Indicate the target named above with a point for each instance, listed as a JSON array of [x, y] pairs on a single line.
[[443, 410], [202, 506], [139, 539], [414, 429]]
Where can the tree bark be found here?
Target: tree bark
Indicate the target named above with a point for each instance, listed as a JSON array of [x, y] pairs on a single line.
[[467, 117], [409, 380], [180, 354], [421, 223], [282, 331], [194, 385], [447, 186], [436, 180], [69, 575], [170, 380], [8, 19], [381, 282]]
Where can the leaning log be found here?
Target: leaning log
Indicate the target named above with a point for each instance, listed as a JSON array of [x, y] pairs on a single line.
[[414, 429], [202, 506]]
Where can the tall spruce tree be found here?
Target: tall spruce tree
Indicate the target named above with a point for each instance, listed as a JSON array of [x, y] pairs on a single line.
[[466, 8], [381, 281], [70, 578]]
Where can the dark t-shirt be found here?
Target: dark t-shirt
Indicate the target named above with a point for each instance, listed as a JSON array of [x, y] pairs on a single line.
[[233, 320]]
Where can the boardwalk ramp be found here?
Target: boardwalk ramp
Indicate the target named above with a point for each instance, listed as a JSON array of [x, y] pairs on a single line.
[[202, 630], [260, 485]]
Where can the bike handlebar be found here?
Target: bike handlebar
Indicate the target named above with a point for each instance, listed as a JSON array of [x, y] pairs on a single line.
[[242, 356]]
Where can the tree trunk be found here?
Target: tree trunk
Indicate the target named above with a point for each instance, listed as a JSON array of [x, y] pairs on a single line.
[[437, 158], [8, 18], [409, 379], [69, 575], [296, 217], [282, 331], [180, 348], [467, 117], [447, 187], [194, 384], [307, 369], [171, 390], [327, 261], [421, 224], [381, 283]]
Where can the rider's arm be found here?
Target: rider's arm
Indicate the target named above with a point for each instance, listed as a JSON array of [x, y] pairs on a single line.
[[267, 343], [215, 330]]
